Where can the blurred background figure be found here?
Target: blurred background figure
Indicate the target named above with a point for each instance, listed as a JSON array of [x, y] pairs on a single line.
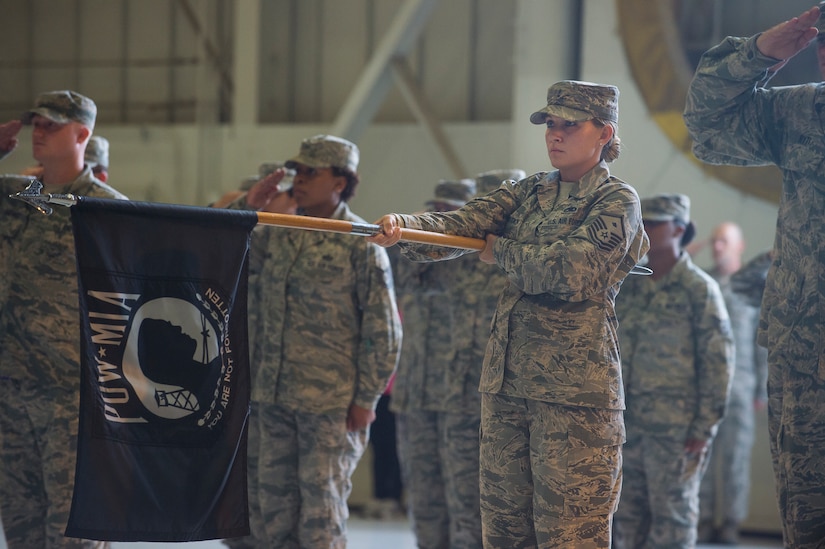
[[97, 157], [387, 481], [677, 358], [419, 392], [725, 488], [473, 289]]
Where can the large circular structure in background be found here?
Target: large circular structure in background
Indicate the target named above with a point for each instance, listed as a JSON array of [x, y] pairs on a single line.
[[663, 40]]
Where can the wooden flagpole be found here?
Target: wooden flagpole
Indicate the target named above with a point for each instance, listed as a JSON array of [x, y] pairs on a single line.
[[368, 229]]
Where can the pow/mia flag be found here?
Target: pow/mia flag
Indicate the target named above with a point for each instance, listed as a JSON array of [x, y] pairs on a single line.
[[164, 372]]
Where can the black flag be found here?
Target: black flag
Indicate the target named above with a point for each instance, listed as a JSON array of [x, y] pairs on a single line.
[[164, 372]]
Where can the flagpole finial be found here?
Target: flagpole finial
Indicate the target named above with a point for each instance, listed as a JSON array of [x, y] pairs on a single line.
[[31, 195]]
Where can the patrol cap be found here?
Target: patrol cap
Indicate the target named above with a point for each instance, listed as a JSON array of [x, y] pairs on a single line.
[[63, 106], [666, 207], [327, 151], [490, 181], [579, 101], [97, 152], [453, 192]]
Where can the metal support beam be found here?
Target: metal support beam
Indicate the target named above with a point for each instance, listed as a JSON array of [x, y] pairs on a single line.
[[424, 114], [213, 54], [374, 84], [247, 61]]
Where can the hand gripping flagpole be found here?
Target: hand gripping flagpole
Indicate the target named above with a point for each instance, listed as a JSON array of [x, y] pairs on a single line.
[[32, 196]]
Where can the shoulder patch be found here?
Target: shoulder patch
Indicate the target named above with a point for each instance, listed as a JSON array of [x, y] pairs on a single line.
[[607, 231]]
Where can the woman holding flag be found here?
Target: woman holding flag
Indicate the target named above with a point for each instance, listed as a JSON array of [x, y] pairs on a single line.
[[552, 396]]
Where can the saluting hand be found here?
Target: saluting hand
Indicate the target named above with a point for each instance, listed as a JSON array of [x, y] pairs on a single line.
[[785, 40], [8, 135], [265, 190]]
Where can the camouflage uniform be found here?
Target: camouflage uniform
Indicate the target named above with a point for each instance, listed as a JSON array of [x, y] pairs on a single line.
[[327, 336], [552, 396], [675, 351], [39, 350], [39, 366], [417, 396], [734, 121], [677, 357], [437, 442], [474, 288], [725, 488]]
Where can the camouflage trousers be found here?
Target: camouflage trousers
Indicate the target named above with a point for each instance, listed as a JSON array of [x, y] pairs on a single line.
[[439, 462], [550, 474], [796, 422], [256, 523], [725, 487], [304, 476], [660, 498], [38, 449]]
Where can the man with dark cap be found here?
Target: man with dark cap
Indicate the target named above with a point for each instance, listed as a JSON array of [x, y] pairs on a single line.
[[725, 489], [323, 348], [430, 438], [677, 359], [734, 119], [39, 333]]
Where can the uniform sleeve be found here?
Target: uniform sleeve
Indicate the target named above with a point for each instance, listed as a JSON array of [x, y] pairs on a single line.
[[380, 327], [714, 361], [733, 121], [595, 256], [476, 219]]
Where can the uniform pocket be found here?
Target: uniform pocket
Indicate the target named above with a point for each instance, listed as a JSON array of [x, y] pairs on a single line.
[[581, 475], [594, 481]]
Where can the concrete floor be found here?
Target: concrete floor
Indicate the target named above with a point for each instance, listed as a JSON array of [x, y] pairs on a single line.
[[375, 534]]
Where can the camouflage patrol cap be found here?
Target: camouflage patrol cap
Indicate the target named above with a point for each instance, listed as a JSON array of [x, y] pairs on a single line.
[[490, 181], [63, 106], [820, 23], [453, 192], [327, 151], [268, 167], [97, 152], [579, 101], [666, 207]]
